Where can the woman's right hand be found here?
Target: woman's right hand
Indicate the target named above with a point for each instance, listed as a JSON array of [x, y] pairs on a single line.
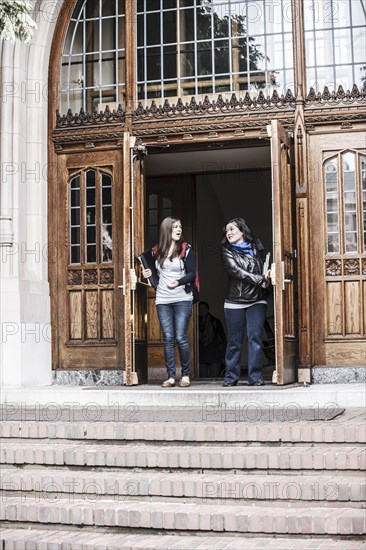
[[146, 273]]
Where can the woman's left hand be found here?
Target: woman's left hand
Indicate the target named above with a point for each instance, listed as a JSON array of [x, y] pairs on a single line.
[[173, 285]]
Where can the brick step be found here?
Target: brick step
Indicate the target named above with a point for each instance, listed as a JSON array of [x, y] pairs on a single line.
[[306, 432], [305, 457], [38, 539], [187, 517], [237, 487]]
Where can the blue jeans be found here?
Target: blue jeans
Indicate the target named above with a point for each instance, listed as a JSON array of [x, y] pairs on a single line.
[[174, 319], [254, 316]]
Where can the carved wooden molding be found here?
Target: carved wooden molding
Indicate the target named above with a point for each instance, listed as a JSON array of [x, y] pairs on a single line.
[[333, 267], [340, 96], [234, 105], [106, 276], [70, 120], [74, 277], [91, 277], [364, 266], [351, 267]]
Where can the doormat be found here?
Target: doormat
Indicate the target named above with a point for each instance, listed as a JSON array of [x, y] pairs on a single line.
[[207, 413]]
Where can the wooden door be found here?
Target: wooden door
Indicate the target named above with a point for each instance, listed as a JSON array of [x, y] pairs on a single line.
[[283, 269], [86, 220], [166, 196], [337, 190]]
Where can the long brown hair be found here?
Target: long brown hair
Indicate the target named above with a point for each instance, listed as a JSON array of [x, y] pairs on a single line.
[[165, 240]]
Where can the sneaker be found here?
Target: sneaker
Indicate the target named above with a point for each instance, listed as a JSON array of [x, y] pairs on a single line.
[[258, 383], [168, 384], [184, 383]]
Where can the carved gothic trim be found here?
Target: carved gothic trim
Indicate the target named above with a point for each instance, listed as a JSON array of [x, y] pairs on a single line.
[[333, 267], [351, 267], [106, 276], [246, 103], [74, 277], [340, 96], [91, 277], [205, 128], [364, 266], [89, 119], [77, 138]]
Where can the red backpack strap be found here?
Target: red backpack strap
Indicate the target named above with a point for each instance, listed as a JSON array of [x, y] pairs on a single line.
[[154, 249], [184, 252]]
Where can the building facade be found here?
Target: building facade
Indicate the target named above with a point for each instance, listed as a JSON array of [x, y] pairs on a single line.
[[122, 112]]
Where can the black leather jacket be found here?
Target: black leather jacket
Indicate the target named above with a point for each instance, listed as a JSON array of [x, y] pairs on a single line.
[[245, 276]]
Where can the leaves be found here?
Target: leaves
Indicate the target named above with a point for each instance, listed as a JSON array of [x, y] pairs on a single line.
[[16, 21]]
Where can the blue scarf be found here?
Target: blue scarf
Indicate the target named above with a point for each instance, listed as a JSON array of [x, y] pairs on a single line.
[[243, 248]]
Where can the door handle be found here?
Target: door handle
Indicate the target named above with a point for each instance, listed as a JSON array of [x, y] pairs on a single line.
[[123, 286], [284, 280]]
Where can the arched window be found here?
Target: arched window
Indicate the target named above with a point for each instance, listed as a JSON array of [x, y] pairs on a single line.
[[94, 56], [183, 48], [345, 193], [335, 41]]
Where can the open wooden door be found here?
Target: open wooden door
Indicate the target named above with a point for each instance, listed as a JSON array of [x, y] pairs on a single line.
[[139, 291], [87, 267], [283, 267]]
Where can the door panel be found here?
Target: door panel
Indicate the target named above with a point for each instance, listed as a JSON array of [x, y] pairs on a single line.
[[283, 275], [87, 333], [166, 196], [338, 218]]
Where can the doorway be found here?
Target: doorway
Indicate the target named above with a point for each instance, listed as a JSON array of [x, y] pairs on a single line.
[[205, 188]]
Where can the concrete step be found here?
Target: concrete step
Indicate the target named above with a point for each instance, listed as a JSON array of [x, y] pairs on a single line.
[[202, 487], [39, 539], [186, 517], [239, 432], [130, 455], [200, 394]]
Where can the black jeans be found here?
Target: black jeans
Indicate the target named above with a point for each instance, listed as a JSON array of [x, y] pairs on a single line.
[[235, 322]]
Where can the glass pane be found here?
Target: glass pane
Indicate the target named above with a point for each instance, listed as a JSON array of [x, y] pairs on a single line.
[[75, 197], [107, 243], [153, 29], [169, 27], [75, 216], [203, 24], [90, 197], [351, 242], [333, 243], [222, 64], [186, 25], [170, 62], [75, 235], [91, 234], [91, 254], [187, 64], [108, 7], [75, 254], [332, 205], [108, 34], [153, 64], [90, 216], [153, 217], [90, 178], [204, 58], [106, 231]]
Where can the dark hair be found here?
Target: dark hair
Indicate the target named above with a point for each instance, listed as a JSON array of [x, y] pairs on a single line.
[[242, 226], [204, 304], [165, 240]]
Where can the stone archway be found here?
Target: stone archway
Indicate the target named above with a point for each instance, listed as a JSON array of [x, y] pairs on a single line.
[[25, 306]]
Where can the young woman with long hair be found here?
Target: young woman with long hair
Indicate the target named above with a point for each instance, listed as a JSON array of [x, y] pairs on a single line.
[[245, 301], [175, 266]]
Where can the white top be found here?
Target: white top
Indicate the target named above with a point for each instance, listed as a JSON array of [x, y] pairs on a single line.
[[172, 271], [237, 305]]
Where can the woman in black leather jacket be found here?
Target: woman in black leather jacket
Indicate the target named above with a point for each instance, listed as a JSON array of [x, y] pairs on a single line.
[[245, 300]]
